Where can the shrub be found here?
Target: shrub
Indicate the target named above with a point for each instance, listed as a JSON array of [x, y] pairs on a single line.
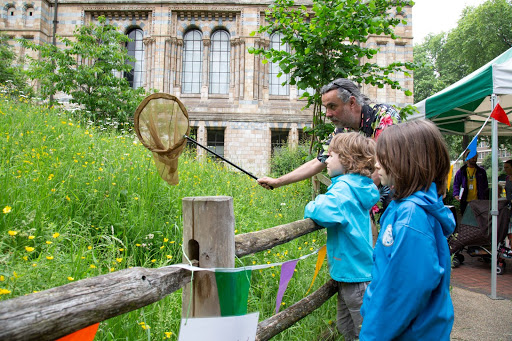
[[285, 159]]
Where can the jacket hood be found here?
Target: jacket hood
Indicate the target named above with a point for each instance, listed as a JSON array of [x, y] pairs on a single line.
[[432, 203], [364, 190]]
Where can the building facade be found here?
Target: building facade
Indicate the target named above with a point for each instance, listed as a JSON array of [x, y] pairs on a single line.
[[198, 51]]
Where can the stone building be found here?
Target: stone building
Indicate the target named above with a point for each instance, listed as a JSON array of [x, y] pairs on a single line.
[[197, 51]]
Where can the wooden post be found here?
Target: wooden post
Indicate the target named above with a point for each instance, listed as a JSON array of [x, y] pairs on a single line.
[[209, 238]]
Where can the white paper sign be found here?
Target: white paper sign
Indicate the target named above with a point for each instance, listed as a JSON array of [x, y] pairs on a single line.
[[230, 328]]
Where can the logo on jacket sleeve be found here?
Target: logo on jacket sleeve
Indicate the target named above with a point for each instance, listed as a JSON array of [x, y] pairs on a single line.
[[387, 237]]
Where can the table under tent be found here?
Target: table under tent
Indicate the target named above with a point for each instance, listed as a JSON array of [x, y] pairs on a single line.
[[464, 107]]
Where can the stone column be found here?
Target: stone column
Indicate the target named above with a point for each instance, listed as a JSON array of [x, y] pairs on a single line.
[[206, 68], [179, 64]]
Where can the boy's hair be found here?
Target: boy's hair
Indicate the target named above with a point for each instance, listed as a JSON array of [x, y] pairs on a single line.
[[357, 153], [414, 155], [509, 162]]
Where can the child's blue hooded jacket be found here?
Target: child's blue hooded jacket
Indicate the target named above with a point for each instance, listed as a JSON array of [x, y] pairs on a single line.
[[409, 296], [344, 211]]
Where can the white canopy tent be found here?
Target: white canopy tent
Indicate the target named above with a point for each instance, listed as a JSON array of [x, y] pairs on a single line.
[[463, 107]]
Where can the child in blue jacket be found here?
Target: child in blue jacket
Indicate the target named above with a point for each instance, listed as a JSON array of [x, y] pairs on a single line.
[[344, 211], [409, 297]]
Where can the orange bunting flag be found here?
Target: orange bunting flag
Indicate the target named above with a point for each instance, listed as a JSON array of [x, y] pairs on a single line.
[[319, 262], [86, 334], [499, 115]]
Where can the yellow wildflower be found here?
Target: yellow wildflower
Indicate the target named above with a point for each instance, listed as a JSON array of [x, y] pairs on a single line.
[[168, 335], [31, 237], [49, 257], [119, 260], [92, 266], [7, 209], [70, 278], [29, 248], [4, 291], [2, 278], [48, 242], [56, 234], [12, 233]]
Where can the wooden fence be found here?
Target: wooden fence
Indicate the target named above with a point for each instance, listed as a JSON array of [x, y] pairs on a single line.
[[208, 239]]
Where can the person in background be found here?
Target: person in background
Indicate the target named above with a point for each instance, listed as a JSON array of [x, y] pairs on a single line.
[[344, 212], [409, 296], [470, 183], [507, 167]]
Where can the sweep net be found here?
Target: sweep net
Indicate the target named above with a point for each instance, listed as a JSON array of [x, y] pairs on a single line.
[[161, 121]]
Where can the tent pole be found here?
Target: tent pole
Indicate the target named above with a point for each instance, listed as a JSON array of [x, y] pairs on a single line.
[[494, 204]]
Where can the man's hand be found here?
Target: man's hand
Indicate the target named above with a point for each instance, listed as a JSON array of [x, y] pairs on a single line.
[[457, 198], [268, 183]]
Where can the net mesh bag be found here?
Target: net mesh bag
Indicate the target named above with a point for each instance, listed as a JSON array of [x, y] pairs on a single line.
[[161, 121]]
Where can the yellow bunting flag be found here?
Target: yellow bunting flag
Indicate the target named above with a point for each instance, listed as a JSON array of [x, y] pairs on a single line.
[[449, 180], [319, 262], [86, 334]]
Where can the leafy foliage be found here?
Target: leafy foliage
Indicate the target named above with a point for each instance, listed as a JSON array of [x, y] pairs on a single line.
[[285, 159], [89, 70], [482, 33], [327, 42], [426, 76], [11, 76]]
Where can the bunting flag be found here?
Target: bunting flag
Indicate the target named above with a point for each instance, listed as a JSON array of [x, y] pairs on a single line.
[[449, 180], [233, 290], [287, 270], [319, 262], [472, 148], [499, 115], [86, 334]]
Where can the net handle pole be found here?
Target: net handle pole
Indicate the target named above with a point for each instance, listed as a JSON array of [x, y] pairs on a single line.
[[220, 157]]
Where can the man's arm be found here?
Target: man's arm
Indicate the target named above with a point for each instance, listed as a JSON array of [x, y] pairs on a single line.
[[305, 171]]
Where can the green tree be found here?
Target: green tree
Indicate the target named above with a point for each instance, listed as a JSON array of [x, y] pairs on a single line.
[[89, 69], [426, 75], [11, 75], [327, 42], [482, 33]]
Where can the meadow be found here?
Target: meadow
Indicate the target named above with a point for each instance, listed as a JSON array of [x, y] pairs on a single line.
[[78, 201]]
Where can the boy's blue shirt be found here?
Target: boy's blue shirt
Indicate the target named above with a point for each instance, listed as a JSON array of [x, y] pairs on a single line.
[[344, 211], [409, 296]]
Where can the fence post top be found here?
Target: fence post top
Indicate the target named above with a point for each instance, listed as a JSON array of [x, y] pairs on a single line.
[[212, 198]]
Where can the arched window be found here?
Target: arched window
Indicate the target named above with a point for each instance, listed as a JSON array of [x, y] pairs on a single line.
[[11, 14], [275, 82], [28, 16], [192, 62], [219, 62], [136, 50]]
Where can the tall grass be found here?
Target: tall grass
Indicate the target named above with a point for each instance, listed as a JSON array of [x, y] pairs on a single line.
[[78, 202]]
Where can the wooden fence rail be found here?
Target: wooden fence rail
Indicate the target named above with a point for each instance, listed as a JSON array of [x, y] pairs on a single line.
[[53, 313]]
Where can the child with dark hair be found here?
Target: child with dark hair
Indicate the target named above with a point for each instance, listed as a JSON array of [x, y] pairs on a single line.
[[344, 211], [409, 296]]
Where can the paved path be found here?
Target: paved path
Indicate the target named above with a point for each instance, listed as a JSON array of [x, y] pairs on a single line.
[[477, 316]]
